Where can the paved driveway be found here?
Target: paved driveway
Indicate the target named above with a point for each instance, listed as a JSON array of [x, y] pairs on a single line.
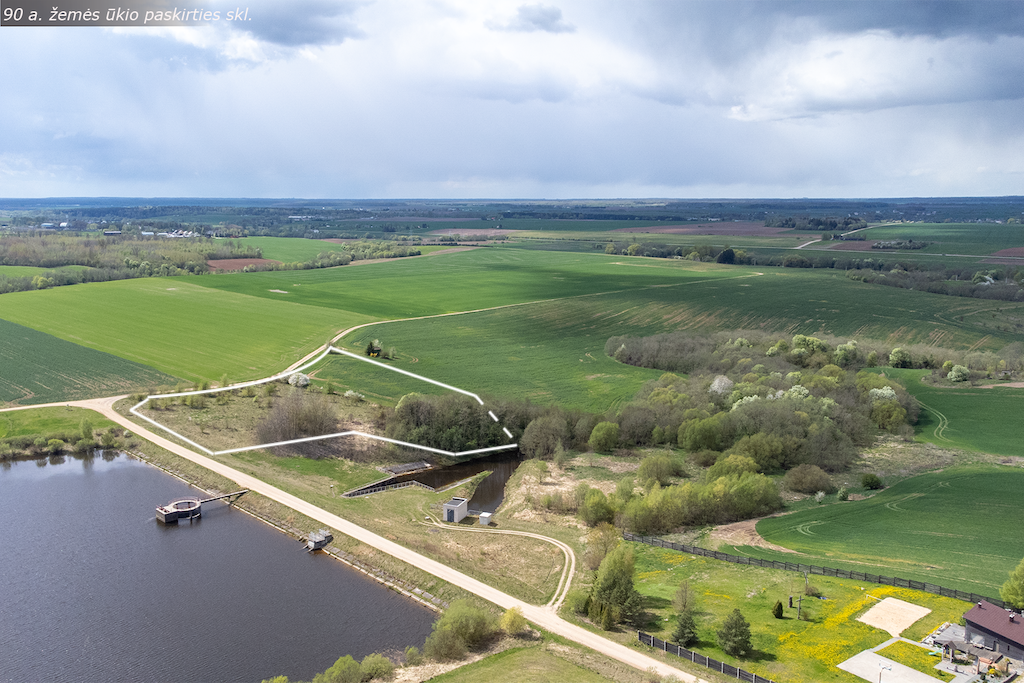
[[868, 665]]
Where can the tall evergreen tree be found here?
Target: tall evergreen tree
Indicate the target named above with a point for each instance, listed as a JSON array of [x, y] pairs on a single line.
[[614, 589], [734, 636]]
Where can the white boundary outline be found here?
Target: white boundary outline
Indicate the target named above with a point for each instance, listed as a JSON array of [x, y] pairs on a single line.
[[287, 373]]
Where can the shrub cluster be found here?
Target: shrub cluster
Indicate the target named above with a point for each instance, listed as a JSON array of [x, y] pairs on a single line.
[[462, 627], [300, 414], [781, 402]]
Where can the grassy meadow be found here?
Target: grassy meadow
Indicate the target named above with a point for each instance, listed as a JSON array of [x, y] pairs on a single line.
[[36, 367], [804, 650], [966, 417], [955, 530]]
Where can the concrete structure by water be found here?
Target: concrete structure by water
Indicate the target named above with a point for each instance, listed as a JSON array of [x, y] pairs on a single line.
[[456, 509], [190, 508]]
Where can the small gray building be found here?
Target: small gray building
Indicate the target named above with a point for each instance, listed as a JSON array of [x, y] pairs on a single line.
[[1000, 630], [455, 509]]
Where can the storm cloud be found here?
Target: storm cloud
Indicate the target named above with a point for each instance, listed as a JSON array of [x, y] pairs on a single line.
[[323, 98]]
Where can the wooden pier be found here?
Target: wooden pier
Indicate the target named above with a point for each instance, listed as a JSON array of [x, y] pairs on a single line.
[[190, 508]]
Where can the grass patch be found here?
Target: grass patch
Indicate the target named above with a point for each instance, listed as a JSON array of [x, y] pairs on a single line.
[[917, 658], [42, 421], [935, 543], [522, 665], [36, 367], [789, 649]]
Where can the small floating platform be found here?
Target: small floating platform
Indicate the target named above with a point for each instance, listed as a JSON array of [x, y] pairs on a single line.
[[319, 540], [190, 508]]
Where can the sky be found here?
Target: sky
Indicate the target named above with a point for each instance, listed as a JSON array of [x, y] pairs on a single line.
[[494, 99]]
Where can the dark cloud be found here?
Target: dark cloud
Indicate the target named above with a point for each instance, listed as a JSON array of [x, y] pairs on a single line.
[[299, 23], [537, 18], [938, 18]]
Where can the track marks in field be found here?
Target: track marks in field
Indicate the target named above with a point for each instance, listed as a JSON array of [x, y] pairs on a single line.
[[895, 505], [940, 429], [805, 528]]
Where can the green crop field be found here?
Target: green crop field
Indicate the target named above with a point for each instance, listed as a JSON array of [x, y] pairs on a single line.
[[546, 344], [973, 418], [508, 353], [957, 528], [952, 238], [462, 281], [38, 368], [179, 328], [44, 421]]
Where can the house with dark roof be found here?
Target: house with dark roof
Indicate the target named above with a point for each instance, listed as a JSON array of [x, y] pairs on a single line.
[[998, 629]]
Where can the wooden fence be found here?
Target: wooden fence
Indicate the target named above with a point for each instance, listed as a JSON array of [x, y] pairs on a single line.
[[697, 658], [813, 569]]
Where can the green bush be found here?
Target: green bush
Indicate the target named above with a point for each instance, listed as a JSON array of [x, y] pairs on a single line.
[[732, 464], [871, 482], [376, 666], [513, 621], [578, 601], [604, 437], [808, 479], [413, 657], [443, 646], [704, 457], [658, 468], [596, 508], [345, 670], [473, 625], [777, 610]]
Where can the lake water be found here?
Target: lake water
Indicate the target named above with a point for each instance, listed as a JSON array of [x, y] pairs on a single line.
[[92, 588]]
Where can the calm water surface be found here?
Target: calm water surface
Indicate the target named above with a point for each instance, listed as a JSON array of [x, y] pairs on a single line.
[[92, 588], [490, 492]]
